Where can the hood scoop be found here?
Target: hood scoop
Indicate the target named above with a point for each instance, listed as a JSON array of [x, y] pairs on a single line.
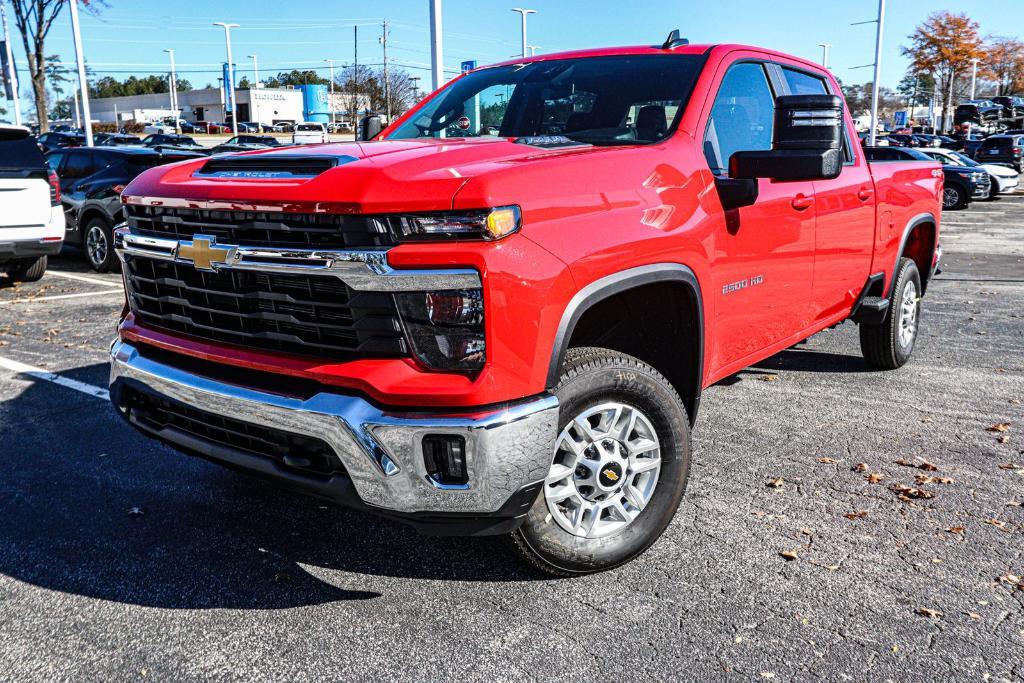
[[270, 166]]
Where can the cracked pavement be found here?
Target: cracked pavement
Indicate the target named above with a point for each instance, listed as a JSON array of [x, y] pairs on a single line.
[[120, 559]]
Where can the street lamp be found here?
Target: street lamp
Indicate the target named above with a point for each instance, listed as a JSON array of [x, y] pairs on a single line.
[[231, 76], [533, 49], [255, 69], [82, 82], [522, 14], [824, 53], [331, 98], [174, 93], [974, 74]]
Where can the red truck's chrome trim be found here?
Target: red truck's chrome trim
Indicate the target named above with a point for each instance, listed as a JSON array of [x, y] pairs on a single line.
[[245, 205]]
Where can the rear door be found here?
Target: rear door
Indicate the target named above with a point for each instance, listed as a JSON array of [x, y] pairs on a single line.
[[24, 189], [763, 254], [845, 221]]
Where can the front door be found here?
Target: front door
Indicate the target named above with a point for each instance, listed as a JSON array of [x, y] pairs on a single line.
[[763, 261]]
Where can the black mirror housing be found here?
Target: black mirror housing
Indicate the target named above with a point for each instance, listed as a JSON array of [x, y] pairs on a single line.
[[369, 127], [806, 142]]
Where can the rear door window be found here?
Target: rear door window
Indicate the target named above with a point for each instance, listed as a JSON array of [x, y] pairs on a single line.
[[18, 152], [78, 165], [801, 83]]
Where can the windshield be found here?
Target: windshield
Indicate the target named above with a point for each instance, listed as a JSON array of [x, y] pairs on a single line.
[[618, 100]]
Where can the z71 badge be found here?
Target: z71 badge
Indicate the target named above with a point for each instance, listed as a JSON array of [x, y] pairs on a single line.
[[742, 284]]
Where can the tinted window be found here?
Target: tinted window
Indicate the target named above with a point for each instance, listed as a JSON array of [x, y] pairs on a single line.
[[78, 165], [620, 100], [801, 83], [18, 151], [741, 117]]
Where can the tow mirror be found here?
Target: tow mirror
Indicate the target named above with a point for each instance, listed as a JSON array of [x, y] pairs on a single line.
[[369, 127], [806, 142]]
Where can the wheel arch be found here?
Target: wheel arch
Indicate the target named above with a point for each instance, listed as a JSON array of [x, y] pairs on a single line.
[[918, 243], [686, 370]]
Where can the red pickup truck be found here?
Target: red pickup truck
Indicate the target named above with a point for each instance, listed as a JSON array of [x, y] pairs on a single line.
[[497, 316]]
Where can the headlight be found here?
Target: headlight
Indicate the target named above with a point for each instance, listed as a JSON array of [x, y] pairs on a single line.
[[486, 224], [445, 328]]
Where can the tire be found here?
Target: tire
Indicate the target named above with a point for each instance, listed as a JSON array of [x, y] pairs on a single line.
[[98, 244], [27, 269], [605, 387], [993, 192], [954, 197], [887, 345]]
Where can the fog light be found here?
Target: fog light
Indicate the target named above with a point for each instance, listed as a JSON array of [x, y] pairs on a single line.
[[444, 456]]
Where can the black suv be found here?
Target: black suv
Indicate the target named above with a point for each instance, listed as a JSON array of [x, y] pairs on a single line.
[[49, 141], [981, 112], [962, 183], [1002, 149], [244, 143], [176, 142], [91, 180], [1013, 107]]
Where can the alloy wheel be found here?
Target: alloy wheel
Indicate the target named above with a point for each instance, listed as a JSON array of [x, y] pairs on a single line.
[[96, 245], [908, 314]]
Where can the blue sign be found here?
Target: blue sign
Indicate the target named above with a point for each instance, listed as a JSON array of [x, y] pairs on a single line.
[[468, 65], [315, 106], [899, 119], [229, 91]]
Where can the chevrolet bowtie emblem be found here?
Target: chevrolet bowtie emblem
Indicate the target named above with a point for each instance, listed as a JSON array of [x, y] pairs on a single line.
[[204, 252], [610, 473]]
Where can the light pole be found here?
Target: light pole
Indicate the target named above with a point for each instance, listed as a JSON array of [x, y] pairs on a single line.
[[533, 49], [231, 75], [12, 77], [872, 135], [255, 69], [174, 93], [824, 53], [330, 99], [82, 82], [436, 46], [522, 14], [974, 74]]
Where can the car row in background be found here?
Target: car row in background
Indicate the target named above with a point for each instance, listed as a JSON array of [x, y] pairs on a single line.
[[962, 183]]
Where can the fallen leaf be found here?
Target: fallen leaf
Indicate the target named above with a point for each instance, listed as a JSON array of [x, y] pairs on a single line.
[[759, 513], [874, 478], [997, 523], [922, 465], [998, 427], [929, 612], [908, 492], [1011, 580], [930, 479], [974, 615], [776, 483], [927, 419], [860, 467], [955, 529], [788, 555], [806, 532], [860, 514], [1003, 439], [826, 461], [1010, 466], [769, 378], [767, 674]]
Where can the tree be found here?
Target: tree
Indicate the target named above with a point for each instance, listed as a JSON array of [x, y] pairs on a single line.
[[133, 85], [916, 88], [368, 86], [1003, 63], [296, 77], [34, 19], [944, 46]]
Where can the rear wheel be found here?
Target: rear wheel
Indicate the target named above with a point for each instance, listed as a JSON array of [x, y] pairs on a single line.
[[618, 470], [993, 192], [954, 197], [98, 242], [27, 269], [888, 345]]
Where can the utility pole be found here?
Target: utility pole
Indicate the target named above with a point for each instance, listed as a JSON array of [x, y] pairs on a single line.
[[330, 99], [974, 75], [82, 82], [231, 76], [947, 115], [355, 79], [174, 94], [387, 83], [879, 30], [522, 14], [12, 76], [255, 70], [436, 45], [415, 89], [824, 53]]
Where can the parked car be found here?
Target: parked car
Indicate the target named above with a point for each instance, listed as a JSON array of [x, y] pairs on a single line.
[[249, 127], [243, 143], [48, 141], [166, 143], [979, 112], [961, 184], [91, 181], [530, 359], [1002, 149], [1003, 179], [283, 127], [31, 222], [115, 139], [903, 140], [309, 133], [1013, 107], [931, 140]]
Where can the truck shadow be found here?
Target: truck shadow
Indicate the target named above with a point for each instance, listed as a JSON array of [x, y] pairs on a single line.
[[89, 507], [811, 360]]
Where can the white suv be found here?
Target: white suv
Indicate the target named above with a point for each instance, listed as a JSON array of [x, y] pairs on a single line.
[[31, 217], [309, 133]]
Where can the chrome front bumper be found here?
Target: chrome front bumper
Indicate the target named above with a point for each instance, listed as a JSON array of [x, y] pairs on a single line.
[[508, 448]]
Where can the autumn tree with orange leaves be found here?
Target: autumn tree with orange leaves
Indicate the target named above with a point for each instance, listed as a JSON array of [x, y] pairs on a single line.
[[1004, 64], [944, 45]]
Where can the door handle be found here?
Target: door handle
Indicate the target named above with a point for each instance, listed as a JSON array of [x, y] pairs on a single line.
[[802, 202], [865, 193]]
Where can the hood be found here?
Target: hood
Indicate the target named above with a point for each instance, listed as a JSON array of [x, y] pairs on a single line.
[[362, 177]]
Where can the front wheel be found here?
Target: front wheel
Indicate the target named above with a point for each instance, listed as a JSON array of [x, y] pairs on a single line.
[[98, 243], [888, 345], [618, 470], [954, 198]]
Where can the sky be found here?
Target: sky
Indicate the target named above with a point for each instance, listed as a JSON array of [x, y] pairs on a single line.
[[129, 37]]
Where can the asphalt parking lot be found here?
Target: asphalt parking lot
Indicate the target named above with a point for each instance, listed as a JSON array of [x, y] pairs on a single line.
[[122, 560]]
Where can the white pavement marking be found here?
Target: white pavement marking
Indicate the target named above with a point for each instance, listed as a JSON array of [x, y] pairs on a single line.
[[38, 373], [82, 278], [61, 296]]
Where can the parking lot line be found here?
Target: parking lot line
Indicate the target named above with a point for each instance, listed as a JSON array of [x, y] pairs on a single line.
[[38, 373], [82, 278], [61, 296]]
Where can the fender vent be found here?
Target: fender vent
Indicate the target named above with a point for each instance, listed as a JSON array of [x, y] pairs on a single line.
[[270, 166]]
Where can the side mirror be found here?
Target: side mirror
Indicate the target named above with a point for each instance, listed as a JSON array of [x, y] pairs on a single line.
[[369, 126], [806, 142]]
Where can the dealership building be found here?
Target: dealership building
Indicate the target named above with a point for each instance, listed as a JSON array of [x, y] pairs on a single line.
[[266, 106]]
